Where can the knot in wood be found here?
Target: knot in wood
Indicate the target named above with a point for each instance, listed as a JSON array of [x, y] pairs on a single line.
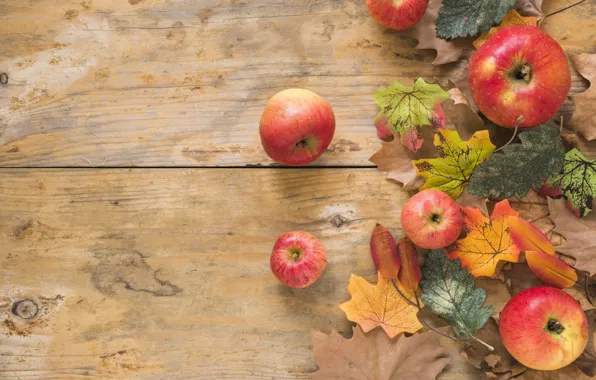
[[25, 309], [339, 221], [3, 78]]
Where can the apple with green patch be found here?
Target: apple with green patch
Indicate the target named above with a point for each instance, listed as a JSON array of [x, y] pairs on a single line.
[[520, 75], [298, 259], [544, 328], [431, 219], [296, 127], [397, 14]]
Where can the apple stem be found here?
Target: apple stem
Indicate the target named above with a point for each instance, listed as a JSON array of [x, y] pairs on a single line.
[[490, 348], [517, 123]]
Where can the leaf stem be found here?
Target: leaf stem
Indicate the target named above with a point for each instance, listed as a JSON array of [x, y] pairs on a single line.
[[403, 295], [490, 348], [429, 326], [517, 123]]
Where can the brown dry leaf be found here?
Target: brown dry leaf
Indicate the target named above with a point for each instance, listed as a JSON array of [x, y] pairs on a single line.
[[425, 32], [498, 362], [529, 8], [519, 277], [381, 305], [571, 372], [587, 361], [375, 357], [470, 200], [511, 18], [458, 96], [579, 234], [497, 294], [395, 159], [583, 120]]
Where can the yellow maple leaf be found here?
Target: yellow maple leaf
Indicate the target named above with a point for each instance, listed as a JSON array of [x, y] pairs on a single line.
[[381, 305], [451, 171], [511, 18], [486, 242]]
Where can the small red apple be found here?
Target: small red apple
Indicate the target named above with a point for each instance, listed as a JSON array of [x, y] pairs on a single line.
[[298, 259], [296, 126], [397, 14], [543, 328], [519, 72], [431, 219]]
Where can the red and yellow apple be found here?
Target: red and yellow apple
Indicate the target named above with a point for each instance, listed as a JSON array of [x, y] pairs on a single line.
[[397, 14], [543, 328], [520, 73], [298, 259], [431, 219], [296, 127]]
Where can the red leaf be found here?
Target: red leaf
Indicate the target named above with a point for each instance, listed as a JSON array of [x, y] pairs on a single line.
[[382, 125], [409, 274], [383, 250]]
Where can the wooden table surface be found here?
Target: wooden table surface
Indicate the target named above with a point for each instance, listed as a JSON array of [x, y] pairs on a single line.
[[137, 207]]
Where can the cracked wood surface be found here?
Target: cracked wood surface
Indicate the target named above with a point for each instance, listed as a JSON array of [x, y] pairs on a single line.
[[183, 83], [164, 274]]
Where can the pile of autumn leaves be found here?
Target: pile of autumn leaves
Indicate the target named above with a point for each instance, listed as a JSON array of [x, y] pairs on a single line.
[[437, 140]]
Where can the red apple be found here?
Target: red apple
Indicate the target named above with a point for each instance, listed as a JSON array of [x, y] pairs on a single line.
[[519, 72], [296, 126], [397, 14], [298, 259], [544, 328], [431, 219]]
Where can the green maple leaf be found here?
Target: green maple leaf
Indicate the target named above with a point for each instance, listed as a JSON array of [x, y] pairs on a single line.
[[451, 171], [466, 18], [410, 107], [577, 182], [519, 166], [450, 291]]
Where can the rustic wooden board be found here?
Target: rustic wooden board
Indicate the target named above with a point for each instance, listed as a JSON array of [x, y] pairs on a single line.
[[164, 274], [183, 83]]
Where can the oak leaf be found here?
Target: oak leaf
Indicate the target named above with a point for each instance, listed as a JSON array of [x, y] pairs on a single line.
[[374, 356], [449, 290], [467, 18], [486, 242], [408, 108], [577, 182], [583, 120], [514, 170], [395, 159], [381, 305], [383, 250], [512, 17], [457, 160], [425, 32], [579, 234]]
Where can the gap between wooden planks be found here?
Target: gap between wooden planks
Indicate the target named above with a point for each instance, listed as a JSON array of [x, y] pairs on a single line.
[[161, 83]]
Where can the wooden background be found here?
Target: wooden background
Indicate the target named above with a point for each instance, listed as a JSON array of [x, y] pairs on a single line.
[[137, 207]]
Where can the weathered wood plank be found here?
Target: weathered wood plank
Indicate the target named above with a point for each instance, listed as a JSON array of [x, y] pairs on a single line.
[[170, 83], [164, 273]]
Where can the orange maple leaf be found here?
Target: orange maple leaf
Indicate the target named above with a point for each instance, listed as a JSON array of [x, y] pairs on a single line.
[[487, 241], [381, 305]]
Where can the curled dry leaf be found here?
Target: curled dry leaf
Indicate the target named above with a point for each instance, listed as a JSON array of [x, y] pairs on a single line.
[[511, 18], [551, 270], [409, 274], [579, 234], [498, 362], [583, 120], [529, 8], [395, 159], [383, 250], [381, 305], [425, 32], [486, 241], [373, 356], [587, 361]]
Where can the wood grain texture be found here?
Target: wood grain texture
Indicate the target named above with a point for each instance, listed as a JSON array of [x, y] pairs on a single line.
[[164, 273], [183, 83]]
